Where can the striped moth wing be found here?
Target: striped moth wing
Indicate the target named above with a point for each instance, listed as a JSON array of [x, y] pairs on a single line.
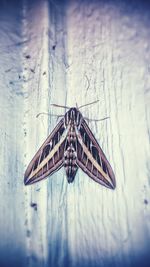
[[49, 157], [71, 144], [91, 159]]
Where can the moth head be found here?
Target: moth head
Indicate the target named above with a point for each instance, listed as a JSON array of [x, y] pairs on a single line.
[[73, 116]]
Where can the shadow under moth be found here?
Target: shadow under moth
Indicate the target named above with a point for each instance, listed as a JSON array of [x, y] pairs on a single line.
[[71, 144]]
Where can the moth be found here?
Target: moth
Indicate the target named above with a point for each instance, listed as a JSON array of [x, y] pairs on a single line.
[[72, 145]]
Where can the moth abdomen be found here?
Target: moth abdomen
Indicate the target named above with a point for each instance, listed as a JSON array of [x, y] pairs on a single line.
[[71, 172], [70, 165]]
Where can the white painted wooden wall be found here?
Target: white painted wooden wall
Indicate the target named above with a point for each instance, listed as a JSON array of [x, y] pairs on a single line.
[[48, 53]]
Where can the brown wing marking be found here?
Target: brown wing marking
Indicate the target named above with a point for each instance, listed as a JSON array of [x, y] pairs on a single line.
[[91, 159], [49, 157]]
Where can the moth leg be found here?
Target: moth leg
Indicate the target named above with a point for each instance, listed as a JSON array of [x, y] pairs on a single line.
[[49, 114], [87, 119]]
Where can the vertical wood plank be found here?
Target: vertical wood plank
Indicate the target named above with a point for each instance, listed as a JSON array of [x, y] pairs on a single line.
[[35, 28], [24, 82], [93, 226], [12, 215]]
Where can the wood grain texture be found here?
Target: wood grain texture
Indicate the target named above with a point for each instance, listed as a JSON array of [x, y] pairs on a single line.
[[69, 52]]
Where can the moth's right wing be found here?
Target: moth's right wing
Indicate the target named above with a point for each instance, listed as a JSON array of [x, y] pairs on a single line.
[[49, 157], [91, 159]]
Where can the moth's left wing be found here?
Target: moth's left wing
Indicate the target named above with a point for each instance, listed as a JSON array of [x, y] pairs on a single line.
[[49, 157], [91, 159]]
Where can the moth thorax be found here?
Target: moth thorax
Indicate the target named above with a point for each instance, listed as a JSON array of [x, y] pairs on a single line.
[[73, 116]]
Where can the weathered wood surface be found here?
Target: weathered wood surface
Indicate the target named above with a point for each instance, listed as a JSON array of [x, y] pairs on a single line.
[[66, 53]]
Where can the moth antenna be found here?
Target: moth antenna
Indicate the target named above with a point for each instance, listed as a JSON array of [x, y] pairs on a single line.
[[96, 120], [89, 104], [59, 106]]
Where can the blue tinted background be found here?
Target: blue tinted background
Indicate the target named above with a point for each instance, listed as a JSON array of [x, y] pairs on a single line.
[[47, 49]]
